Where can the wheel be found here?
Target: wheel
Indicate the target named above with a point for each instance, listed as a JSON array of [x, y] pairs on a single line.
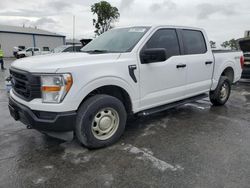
[[100, 121], [221, 94]]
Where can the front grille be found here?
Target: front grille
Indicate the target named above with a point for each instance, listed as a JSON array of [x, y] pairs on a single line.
[[25, 85]]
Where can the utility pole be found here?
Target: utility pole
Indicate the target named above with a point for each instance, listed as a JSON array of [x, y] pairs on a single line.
[[74, 33]]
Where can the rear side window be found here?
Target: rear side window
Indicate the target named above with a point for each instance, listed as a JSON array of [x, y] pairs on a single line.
[[165, 38], [45, 48], [194, 42], [36, 49]]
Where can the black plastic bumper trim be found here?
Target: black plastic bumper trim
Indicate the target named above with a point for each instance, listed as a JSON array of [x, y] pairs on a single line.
[[58, 122]]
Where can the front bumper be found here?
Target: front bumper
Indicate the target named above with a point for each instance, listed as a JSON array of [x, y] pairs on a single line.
[[42, 120]]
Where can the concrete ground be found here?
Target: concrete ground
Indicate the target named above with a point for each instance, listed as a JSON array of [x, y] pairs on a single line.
[[194, 146]]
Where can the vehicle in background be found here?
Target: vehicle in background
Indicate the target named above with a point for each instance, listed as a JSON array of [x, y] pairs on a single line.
[[17, 49], [246, 68], [67, 48], [244, 45], [123, 72], [247, 56], [85, 41], [32, 51]]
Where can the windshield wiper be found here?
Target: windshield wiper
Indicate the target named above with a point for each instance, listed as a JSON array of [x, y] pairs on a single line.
[[96, 51]]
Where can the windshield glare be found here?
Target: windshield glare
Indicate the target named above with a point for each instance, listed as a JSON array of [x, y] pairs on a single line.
[[116, 40]]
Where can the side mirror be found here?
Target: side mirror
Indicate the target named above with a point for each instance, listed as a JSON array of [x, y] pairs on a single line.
[[153, 55]]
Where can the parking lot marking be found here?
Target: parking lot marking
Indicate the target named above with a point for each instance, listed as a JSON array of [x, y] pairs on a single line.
[[196, 106], [245, 93], [148, 156], [39, 180]]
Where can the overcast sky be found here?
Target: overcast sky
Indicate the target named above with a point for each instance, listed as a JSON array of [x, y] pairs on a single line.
[[222, 19]]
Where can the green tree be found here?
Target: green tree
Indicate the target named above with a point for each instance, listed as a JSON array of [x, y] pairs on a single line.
[[232, 44], [106, 15], [212, 44]]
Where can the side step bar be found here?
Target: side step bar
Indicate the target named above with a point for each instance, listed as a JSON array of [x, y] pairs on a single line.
[[171, 105]]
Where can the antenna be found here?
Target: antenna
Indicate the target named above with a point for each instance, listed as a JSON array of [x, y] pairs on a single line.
[[74, 33]]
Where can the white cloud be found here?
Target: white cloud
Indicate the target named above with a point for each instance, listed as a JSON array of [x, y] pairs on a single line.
[[126, 4], [222, 19]]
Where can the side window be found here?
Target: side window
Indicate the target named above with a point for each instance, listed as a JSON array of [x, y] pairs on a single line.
[[194, 42], [165, 38], [29, 50], [21, 47], [36, 49], [45, 48]]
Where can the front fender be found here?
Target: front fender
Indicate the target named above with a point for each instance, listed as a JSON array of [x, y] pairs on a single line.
[[107, 81]]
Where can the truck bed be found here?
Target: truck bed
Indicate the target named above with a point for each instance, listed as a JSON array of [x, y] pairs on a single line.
[[222, 59]]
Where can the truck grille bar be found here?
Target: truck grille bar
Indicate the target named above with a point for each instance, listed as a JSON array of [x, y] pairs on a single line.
[[25, 85]]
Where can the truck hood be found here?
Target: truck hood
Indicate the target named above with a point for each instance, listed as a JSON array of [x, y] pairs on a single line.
[[52, 62]]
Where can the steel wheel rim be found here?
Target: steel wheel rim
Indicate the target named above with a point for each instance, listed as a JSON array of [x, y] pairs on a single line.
[[105, 123], [224, 92]]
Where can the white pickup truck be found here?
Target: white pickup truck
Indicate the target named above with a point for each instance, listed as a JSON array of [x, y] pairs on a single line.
[[123, 72], [32, 51]]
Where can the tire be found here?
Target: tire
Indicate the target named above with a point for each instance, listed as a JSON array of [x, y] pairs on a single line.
[[220, 95], [97, 115]]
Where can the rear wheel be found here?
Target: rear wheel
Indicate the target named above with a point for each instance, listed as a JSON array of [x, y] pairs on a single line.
[[221, 94], [100, 121]]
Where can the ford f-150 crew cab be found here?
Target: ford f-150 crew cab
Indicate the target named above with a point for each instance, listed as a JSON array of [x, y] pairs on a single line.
[[123, 72]]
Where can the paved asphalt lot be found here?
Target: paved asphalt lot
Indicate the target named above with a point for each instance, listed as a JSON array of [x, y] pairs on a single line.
[[196, 146]]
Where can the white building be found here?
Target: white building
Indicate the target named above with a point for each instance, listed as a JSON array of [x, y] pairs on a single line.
[[11, 36]]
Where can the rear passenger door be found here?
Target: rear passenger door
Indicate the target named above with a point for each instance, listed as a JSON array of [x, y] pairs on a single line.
[[162, 82], [199, 61]]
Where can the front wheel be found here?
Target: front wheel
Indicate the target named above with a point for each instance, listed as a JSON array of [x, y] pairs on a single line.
[[100, 121], [220, 95]]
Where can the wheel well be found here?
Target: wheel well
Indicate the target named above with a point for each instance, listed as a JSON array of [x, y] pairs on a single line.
[[114, 91], [229, 72]]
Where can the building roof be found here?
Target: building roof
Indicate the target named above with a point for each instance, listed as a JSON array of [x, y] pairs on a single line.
[[26, 30]]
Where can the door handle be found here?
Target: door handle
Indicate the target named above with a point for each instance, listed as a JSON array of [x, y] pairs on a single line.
[[181, 66], [208, 62]]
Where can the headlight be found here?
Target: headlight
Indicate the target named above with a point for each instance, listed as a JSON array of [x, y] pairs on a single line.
[[55, 87]]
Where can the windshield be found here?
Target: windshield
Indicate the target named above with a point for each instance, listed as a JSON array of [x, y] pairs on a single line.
[[116, 40]]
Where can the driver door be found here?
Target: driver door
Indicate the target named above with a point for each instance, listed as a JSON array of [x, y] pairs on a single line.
[[163, 82]]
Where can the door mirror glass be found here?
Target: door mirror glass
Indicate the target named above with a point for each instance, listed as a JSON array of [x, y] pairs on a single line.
[[153, 55]]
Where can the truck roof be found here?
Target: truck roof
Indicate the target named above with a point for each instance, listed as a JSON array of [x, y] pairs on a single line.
[[165, 26]]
